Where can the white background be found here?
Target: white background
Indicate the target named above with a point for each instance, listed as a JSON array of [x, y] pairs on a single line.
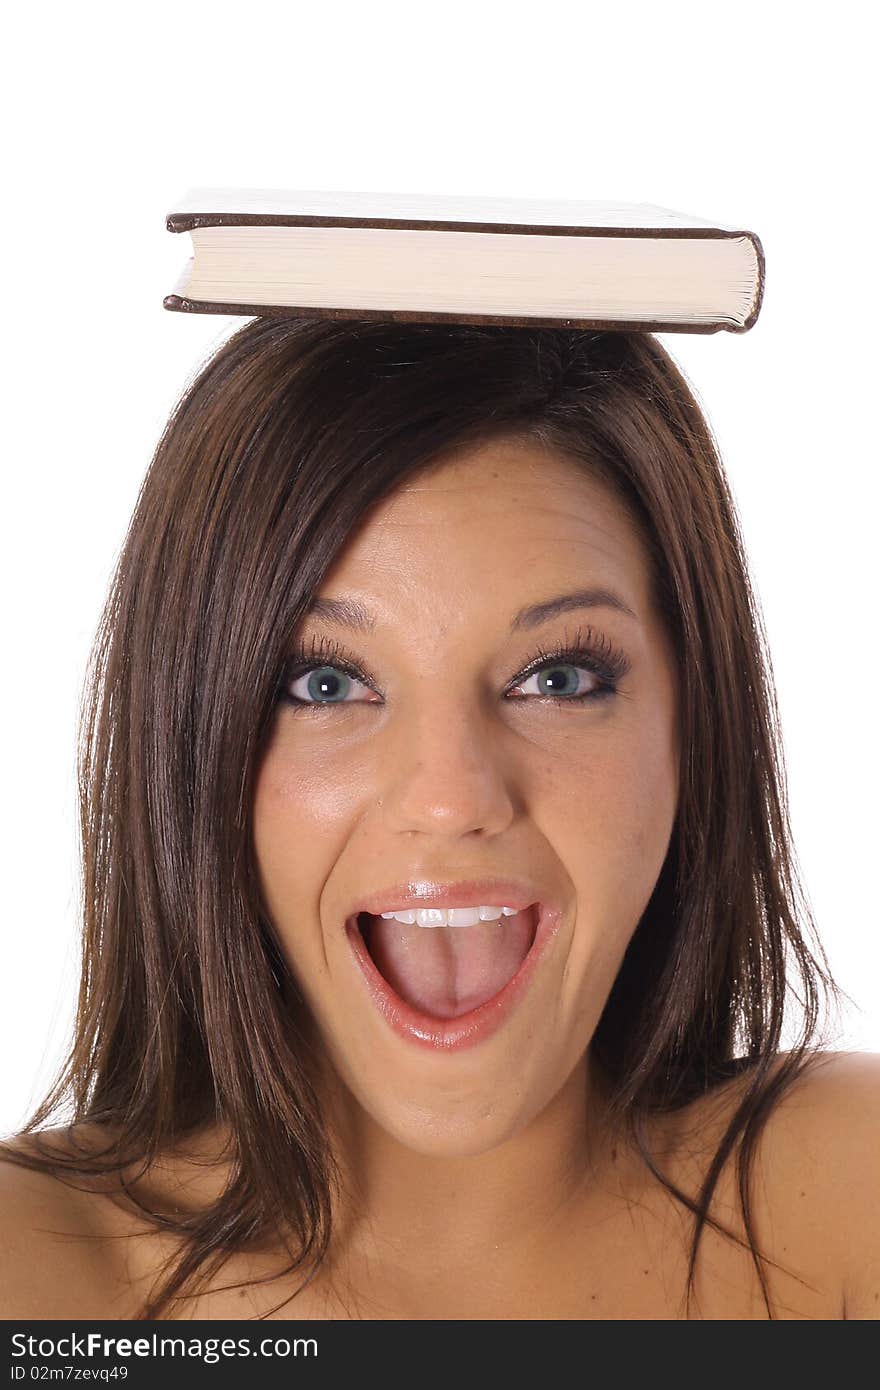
[[755, 115]]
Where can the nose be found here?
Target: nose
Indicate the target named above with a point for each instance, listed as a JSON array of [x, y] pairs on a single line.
[[446, 774]]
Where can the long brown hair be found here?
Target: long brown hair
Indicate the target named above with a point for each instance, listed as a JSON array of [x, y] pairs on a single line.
[[187, 1012]]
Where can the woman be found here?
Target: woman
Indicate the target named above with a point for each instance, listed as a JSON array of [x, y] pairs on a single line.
[[411, 621]]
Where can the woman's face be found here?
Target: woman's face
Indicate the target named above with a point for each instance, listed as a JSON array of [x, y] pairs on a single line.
[[441, 762]]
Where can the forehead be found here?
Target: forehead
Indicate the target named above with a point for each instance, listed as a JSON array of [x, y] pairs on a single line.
[[485, 525]]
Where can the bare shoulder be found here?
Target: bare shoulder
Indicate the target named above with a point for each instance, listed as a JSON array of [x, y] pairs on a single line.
[[82, 1247], [814, 1184], [58, 1258], [823, 1163], [47, 1259]]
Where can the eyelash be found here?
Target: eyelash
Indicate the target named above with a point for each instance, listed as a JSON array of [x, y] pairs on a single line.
[[587, 649]]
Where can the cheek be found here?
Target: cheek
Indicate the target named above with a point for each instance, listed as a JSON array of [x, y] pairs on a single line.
[[301, 788], [303, 813], [621, 797]]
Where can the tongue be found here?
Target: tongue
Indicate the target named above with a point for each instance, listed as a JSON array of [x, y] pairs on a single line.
[[447, 971]]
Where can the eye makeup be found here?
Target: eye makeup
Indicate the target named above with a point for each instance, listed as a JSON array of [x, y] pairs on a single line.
[[586, 650]]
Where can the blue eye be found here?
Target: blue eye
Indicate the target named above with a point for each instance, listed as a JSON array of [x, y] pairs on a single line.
[[327, 675], [323, 685], [330, 685], [562, 680]]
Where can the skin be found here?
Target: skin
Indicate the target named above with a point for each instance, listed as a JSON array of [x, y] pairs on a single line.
[[445, 775]]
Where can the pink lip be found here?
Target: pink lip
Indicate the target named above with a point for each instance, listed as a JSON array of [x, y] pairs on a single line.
[[447, 1035], [501, 892]]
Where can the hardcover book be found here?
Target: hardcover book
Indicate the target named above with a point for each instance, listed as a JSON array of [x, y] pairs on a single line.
[[464, 259]]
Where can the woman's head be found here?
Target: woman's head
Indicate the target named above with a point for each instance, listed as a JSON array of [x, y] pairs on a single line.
[[450, 756], [449, 479]]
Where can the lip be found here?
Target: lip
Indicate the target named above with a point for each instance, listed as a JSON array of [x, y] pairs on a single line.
[[451, 1035], [472, 892]]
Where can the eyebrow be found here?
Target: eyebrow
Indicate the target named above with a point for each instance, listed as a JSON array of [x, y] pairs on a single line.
[[537, 613], [350, 613], [346, 612]]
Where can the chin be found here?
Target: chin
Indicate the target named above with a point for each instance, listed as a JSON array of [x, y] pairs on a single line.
[[457, 1134]]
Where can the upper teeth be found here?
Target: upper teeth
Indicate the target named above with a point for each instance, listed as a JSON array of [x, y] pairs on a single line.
[[451, 916]]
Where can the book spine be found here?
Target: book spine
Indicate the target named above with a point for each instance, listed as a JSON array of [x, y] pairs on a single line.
[[759, 284]]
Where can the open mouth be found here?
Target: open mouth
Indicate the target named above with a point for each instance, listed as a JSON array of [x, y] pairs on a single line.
[[445, 972]]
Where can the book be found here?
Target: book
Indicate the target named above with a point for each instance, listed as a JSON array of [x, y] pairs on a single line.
[[464, 259]]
